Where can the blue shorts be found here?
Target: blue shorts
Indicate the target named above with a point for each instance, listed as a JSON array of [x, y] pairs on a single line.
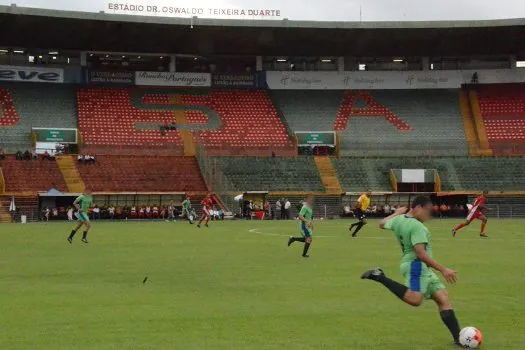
[[305, 231], [82, 217]]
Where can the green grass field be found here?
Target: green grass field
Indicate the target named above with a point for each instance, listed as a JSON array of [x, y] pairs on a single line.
[[236, 285]]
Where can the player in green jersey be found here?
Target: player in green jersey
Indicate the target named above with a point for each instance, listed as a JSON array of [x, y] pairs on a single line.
[[186, 209], [416, 263], [82, 203], [306, 226]]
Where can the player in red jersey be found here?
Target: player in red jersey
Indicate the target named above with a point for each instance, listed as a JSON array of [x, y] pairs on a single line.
[[476, 212], [207, 204]]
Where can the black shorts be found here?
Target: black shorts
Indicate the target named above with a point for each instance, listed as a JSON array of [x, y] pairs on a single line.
[[359, 214]]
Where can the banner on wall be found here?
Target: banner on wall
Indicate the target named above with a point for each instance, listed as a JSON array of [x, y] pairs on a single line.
[[363, 80], [173, 79], [32, 74], [234, 80], [384, 80], [101, 77]]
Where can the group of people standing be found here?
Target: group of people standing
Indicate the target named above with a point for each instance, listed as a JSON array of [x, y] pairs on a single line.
[[282, 209]]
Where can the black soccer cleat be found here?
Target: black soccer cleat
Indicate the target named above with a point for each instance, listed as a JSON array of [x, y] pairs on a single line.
[[454, 233], [84, 240], [198, 226], [305, 256], [206, 225], [354, 235], [290, 241], [483, 235], [373, 274], [70, 240]]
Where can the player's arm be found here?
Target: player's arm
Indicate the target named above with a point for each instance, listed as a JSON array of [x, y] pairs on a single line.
[[383, 222], [76, 203], [421, 253], [358, 203], [302, 218]]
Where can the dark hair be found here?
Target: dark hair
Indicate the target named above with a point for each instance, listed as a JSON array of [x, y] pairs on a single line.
[[421, 201]]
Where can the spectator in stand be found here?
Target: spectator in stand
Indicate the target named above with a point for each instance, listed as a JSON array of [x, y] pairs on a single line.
[[163, 212], [80, 158], [171, 208], [19, 155], [155, 211], [133, 211], [120, 212], [47, 212], [250, 210], [34, 155], [278, 209], [96, 212], [111, 211], [387, 209], [47, 156], [444, 210], [373, 210], [27, 155], [2, 154], [141, 212], [70, 214], [436, 210], [287, 206], [268, 209], [148, 212]]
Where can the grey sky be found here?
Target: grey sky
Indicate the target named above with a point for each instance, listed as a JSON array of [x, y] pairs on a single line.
[[325, 10]]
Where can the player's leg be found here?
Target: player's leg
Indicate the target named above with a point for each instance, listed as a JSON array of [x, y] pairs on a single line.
[[203, 216], [87, 225], [74, 231], [484, 220], [208, 217], [446, 312], [361, 224], [357, 215], [188, 216], [306, 238], [455, 230], [407, 295]]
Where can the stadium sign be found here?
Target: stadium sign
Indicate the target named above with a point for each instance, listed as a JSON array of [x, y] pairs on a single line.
[[32, 74], [60, 135], [234, 80], [305, 10], [363, 80], [315, 138], [100, 77], [384, 80], [173, 79]]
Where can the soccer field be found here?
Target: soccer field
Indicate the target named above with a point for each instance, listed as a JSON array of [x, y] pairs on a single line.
[[236, 285]]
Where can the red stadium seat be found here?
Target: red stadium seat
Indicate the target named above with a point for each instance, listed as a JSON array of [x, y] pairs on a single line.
[[503, 111], [248, 119]]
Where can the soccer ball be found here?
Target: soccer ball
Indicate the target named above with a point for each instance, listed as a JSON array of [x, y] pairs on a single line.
[[470, 337]]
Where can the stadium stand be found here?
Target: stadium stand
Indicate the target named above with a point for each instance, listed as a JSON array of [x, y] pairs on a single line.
[[271, 174], [457, 173], [31, 176], [33, 105], [408, 122], [491, 173], [308, 110], [360, 174], [248, 120], [502, 108], [142, 174]]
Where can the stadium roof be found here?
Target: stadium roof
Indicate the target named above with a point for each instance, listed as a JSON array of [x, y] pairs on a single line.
[[39, 28]]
